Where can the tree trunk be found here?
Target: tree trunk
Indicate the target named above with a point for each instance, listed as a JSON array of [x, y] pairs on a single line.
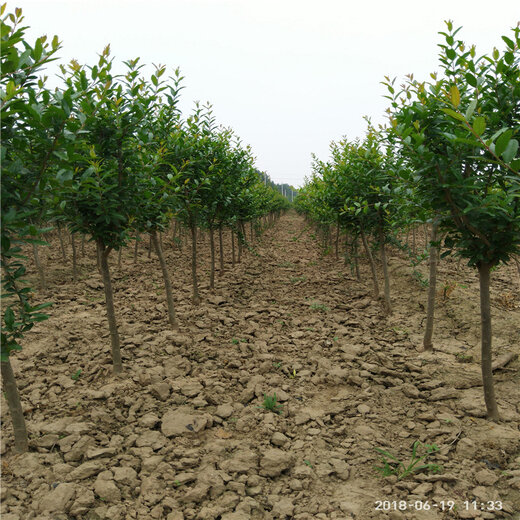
[[371, 262], [21, 442], [233, 248], [240, 240], [196, 297], [337, 240], [109, 300], [414, 245], [167, 284], [212, 261], [432, 286], [119, 255], [74, 258], [388, 304], [136, 247], [62, 244], [221, 250], [485, 320], [39, 268], [356, 259], [149, 246]]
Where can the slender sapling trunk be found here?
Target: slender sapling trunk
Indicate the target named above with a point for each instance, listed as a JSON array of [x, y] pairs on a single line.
[[221, 250], [432, 286], [167, 284], [74, 258], [21, 443], [103, 252], [196, 297], [484, 271], [388, 304], [371, 262], [212, 261]]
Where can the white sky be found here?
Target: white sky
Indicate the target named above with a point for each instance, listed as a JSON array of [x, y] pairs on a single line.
[[288, 76]]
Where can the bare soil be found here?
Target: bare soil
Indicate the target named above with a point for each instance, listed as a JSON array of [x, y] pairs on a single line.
[[182, 434]]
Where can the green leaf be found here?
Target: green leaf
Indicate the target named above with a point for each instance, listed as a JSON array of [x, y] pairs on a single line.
[[479, 125], [472, 80], [453, 114], [510, 151], [9, 318], [455, 96], [471, 108], [510, 43], [502, 142]]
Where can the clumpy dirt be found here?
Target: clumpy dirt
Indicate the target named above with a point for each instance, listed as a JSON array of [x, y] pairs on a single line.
[[182, 434]]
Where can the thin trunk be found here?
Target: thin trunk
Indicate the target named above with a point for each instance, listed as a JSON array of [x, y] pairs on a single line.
[[347, 255], [109, 299], [337, 240], [74, 258], [149, 246], [196, 297], [371, 262], [119, 256], [233, 248], [174, 232], [41, 272], [356, 259], [252, 232], [221, 250], [21, 442], [388, 304], [167, 284], [161, 241], [426, 238], [428, 333], [414, 246], [485, 320], [62, 244], [240, 238], [212, 261], [136, 248]]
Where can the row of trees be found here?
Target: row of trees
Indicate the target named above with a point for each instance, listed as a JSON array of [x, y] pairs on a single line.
[[449, 157], [111, 157]]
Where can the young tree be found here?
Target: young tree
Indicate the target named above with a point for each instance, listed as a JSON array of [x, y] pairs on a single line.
[[462, 128]]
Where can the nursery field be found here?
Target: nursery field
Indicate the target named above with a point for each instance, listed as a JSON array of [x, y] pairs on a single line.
[[191, 429]]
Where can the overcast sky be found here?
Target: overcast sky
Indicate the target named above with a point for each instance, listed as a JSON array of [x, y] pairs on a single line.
[[288, 76]]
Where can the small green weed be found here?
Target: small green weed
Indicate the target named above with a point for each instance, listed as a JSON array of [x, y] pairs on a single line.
[[319, 307], [235, 341], [76, 374], [308, 463], [393, 466], [464, 358], [277, 364], [270, 403], [296, 279]]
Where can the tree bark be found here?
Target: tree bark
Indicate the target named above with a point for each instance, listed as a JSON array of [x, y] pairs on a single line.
[[167, 284], [432, 286], [119, 255], [221, 250], [388, 303], [39, 268], [62, 244], [109, 300], [149, 247], [337, 240], [233, 248], [485, 321], [212, 260], [74, 258], [240, 239], [21, 442], [371, 262], [136, 247], [356, 259], [196, 297]]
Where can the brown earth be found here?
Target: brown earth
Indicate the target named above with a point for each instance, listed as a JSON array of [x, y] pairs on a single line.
[[183, 435]]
